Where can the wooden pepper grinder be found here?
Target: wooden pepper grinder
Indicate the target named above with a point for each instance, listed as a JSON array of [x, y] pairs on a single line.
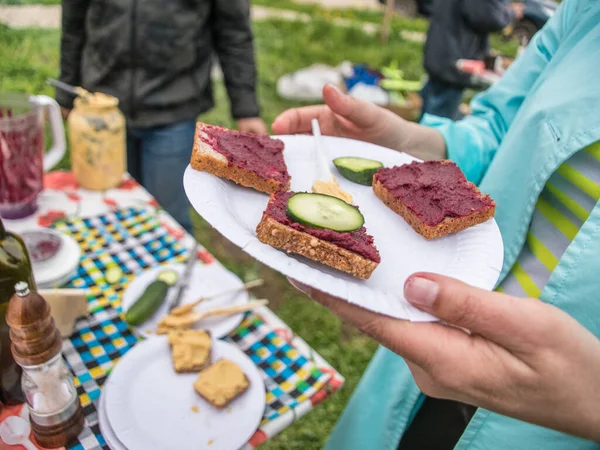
[[55, 412]]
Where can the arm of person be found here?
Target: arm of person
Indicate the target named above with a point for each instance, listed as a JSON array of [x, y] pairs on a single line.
[[233, 41], [71, 47], [487, 16], [518, 357], [473, 142]]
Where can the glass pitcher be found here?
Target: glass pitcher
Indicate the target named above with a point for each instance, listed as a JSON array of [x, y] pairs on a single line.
[[22, 157]]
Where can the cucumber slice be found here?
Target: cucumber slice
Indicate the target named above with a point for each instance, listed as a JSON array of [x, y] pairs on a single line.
[[324, 211], [170, 277], [145, 306], [113, 275], [358, 170]]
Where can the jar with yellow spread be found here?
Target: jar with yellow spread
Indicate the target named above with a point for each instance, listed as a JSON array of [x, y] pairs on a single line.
[[97, 139]]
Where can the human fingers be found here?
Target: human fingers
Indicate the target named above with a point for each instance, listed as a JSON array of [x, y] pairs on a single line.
[[359, 112], [432, 346], [297, 120], [511, 322]]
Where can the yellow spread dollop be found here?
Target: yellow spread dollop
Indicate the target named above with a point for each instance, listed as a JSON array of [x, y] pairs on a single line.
[[221, 382], [99, 99], [331, 188], [190, 349]]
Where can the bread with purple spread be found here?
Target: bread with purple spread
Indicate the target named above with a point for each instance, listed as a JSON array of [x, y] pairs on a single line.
[[353, 252], [434, 197], [244, 158]]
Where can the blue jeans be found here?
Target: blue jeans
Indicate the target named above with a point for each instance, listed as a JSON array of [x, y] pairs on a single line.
[[157, 158], [441, 99]]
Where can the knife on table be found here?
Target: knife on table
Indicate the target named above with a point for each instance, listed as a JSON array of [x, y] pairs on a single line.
[[184, 280]]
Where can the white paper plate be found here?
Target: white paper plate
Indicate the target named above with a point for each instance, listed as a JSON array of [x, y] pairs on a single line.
[[474, 255], [107, 432], [205, 281], [149, 405]]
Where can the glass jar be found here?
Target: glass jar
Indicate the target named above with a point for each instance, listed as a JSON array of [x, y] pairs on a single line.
[[50, 391], [97, 140]]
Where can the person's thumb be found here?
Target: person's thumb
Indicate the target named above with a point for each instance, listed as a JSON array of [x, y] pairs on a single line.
[[506, 320], [359, 112]]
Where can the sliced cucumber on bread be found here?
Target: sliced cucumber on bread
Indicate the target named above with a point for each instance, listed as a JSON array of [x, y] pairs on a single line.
[[357, 170], [324, 211]]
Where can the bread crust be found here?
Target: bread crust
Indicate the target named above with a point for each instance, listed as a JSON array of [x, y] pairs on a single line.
[[285, 238], [199, 367], [207, 159], [448, 226]]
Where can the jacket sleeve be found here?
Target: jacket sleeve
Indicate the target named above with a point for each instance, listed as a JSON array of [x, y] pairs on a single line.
[[487, 16], [473, 142], [71, 46], [233, 40]]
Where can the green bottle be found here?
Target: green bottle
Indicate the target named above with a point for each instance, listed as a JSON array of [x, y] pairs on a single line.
[[15, 266]]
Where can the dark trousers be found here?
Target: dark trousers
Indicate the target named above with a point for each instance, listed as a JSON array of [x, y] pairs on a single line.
[[157, 158], [438, 425], [441, 99]]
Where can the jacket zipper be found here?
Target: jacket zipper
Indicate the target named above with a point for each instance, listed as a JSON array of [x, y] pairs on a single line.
[[133, 59]]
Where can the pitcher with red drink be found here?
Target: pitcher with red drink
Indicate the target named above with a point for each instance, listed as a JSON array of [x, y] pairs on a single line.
[[23, 158]]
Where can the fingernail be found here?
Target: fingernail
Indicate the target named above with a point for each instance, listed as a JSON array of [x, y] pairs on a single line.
[[421, 292], [335, 88]]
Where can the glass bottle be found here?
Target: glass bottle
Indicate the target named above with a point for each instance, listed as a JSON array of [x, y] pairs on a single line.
[[15, 266]]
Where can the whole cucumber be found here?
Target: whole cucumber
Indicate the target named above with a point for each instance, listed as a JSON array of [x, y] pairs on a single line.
[[145, 306]]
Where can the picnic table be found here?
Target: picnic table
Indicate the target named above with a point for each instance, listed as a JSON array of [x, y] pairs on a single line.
[[126, 226]]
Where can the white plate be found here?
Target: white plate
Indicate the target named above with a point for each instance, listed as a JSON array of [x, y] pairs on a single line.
[[149, 406], [473, 255], [205, 281], [107, 432], [59, 269]]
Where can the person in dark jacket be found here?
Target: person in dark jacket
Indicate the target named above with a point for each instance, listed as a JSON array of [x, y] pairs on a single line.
[[156, 57], [459, 29]]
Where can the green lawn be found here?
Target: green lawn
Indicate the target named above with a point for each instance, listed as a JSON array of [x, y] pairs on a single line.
[[28, 57]]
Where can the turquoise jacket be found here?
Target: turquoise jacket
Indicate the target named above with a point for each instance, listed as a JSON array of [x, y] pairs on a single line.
[[545, 108]]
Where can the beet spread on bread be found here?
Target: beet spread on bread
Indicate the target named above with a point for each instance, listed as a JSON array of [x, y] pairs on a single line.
[[352, 252], [434, 197], [247, 159]]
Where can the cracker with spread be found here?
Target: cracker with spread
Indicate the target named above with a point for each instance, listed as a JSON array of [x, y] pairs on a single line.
[[190, 350], [221, 383]]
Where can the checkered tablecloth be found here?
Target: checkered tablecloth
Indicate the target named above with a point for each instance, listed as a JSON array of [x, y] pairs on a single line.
[[136, 238]]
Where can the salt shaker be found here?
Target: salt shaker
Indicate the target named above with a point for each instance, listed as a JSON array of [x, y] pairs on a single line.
[[55, 411]]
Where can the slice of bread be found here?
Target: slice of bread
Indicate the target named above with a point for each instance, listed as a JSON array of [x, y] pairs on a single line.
[[285, 238], [221, 383], [206, 158], [448, 226], [190, 350]]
